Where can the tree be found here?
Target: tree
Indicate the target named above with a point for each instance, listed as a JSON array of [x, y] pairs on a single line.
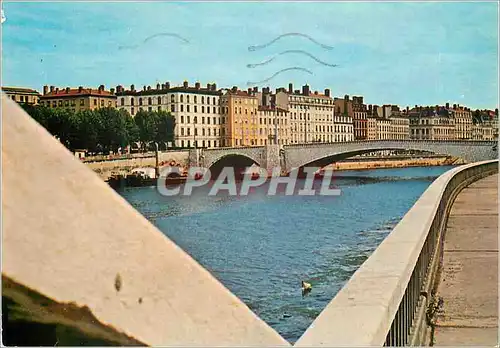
[[165, 124], [146, 124], [113, 132]]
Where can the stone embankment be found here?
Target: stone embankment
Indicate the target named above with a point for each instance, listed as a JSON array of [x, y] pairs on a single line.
[[105, 168], [377, 163]]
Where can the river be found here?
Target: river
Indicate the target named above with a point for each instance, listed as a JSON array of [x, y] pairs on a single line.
[[261, 247]]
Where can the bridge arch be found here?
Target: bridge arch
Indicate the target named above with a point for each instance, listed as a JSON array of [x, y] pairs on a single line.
[[319, 155], [239, 162]]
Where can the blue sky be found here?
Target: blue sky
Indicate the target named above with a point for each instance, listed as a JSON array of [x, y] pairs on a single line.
[[396, 53]]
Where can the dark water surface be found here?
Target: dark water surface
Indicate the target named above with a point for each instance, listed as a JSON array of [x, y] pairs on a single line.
[[261, 247]]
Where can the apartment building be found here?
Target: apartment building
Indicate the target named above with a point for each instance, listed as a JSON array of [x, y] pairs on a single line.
[[240, 110], [431, 123], [196, 109], [78, 99], [343, 125], [371, 127], [463, 121], [310, 114], [22, 95], [387, 122]]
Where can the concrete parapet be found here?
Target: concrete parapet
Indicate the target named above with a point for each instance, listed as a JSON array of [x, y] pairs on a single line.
[[395, 283], [70, 238]]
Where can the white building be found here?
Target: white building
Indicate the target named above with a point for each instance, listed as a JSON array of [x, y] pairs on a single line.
[[198, 121]]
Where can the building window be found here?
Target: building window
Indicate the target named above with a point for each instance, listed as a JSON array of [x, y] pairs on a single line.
[[182, 131], [150, 101], [202, 109], [95, 102], [171, 98], [132, 111], [203, 100], [159, 108], [60, 103], [66, 103], [208, 120], [188, 119], [54, 104], [109, 103], [182, 98], [140, 101], [172, 107], [187, 98], [195, 119], [195, 100], [14, 97], [182, 119], [195, 108], [102, 102], [122, 101], [150, 108], [208, 100], [187, 106], [159, 100], [214, 109], [182, 107], [132, 101]]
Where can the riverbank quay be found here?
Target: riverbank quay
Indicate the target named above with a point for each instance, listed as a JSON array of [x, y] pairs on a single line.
[[468, 289]]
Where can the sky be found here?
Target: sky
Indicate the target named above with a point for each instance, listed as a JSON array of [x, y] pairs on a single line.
[[403, 53]]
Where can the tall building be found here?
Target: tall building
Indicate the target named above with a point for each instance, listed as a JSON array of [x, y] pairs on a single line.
[[240, 109], [310, 114], [387, 122], [78, 98], [273, 120], [196, 109], [431, 123], [463, 121], [343, 126], [22, 95]]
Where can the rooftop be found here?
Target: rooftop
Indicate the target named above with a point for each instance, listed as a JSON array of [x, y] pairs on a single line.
[[20, 90]]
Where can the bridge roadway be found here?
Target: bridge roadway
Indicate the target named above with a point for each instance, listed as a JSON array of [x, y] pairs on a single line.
[[469, 280]]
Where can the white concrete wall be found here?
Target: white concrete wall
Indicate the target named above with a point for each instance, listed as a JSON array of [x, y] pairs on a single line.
[[67, 235]]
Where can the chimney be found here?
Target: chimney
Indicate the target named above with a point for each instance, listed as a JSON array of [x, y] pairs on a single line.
[[143, 88], [149, 88], [214, 87], [197, 85], [346, 97], [305, 90], [454, 106], [290, 88], [45, 89], [297, 91], [249, 91], [132, 88], [384, 112], [370, 108], [447, 105], [118, 89], [407, 109], [209, 87], [112, 90], [66, 90], [327, 92], [185, 84], [162, 86], [57, 90], [234, 89], [51, 89], [101, 88], [256, 89], [315, 92], [167, 85], [157, 86]]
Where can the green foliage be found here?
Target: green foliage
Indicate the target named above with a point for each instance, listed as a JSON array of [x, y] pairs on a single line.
[[105, 129]]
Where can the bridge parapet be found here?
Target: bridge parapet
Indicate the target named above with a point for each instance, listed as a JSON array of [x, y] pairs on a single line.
[[386, 300]]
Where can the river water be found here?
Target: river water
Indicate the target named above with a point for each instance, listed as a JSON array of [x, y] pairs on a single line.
[[261, 247]]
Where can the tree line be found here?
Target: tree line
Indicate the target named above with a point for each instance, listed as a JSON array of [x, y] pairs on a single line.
[[106, 129]]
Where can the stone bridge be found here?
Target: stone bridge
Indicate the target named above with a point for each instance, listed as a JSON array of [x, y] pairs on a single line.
[[320, 155]]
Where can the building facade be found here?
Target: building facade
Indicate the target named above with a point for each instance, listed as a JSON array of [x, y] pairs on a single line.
[[431, 123], [240, 110], [197, 111], [78, 99], [343, 126], [463, 121], [310, 114], [22, 95]]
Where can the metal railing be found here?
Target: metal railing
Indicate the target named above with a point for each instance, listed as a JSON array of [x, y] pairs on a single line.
[[394, 288], [412, 317]]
